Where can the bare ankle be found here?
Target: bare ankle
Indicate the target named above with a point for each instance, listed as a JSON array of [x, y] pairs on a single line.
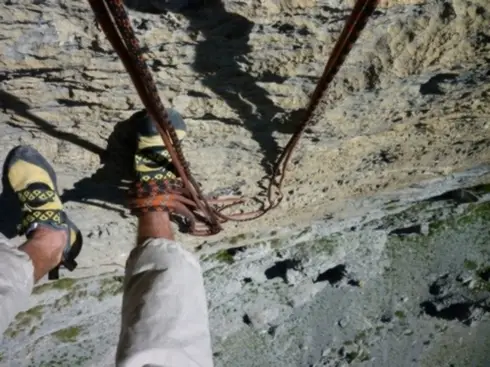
[[154, 225], [45, 248]]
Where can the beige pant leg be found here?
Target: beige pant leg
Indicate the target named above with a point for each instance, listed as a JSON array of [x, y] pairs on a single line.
[[164, 313], [16, 282]]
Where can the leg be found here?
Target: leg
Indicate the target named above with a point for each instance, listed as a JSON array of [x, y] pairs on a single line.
[[164, 311], [21, 268], [51, 238]]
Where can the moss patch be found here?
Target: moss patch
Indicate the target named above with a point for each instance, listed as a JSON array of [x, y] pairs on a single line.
[[64, 359], [110, 286], [225, 257], [236, 239], [482, 189], [400, 314], [24, 321], [275, 242], [473, 214], [479, 211], [355, 350], [73, 361], [64, 301], [34, 312], [482, 279], [60, 284], [436, 227], [323, 245], [11, 332], [68, 335], [470, 264]]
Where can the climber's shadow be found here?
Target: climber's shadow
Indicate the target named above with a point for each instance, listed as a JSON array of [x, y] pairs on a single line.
[[218, 57], [107, 187], [10, 213], [10, 102]]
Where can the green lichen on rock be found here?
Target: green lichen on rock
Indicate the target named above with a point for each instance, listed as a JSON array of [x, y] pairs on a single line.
[[470, 264], [400, 314], [225, 256], [356, 349], [34, 312], [77, 290], [24, 321], [110, 286], [481, 281], [63, 359], [64, 301], [450, 226], [275, 242], [482, 189], [441, 216], [393, 205], [472, 214], [476, 212], [236, 239], [399, 219], [361, 336], [68, 335], [326, 245], [60, 284], [11, 332], [437, 226], [483, 272]]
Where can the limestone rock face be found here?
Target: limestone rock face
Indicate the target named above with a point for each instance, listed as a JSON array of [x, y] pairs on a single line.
[[339, 273]]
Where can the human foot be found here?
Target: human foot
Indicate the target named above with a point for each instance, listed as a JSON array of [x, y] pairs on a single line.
[[33, 180], [156, 176], [152, 160]]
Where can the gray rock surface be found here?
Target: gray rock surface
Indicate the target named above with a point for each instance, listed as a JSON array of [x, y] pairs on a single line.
[[357, 266], [409, 289]]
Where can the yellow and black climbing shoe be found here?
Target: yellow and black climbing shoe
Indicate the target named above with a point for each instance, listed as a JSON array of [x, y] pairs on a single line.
[[152, 160], [156, 175], [33, 180]]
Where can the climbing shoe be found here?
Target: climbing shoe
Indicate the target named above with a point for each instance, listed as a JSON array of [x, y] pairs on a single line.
[[152, 160], [33, 180], [156, 176]]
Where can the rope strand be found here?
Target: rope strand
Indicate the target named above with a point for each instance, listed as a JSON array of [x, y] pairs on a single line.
[[115, 23]]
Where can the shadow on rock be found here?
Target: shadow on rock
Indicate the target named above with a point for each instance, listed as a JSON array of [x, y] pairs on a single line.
[[106, 186], [10, 214], [218, 59], [13, 103], [109, 184]]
